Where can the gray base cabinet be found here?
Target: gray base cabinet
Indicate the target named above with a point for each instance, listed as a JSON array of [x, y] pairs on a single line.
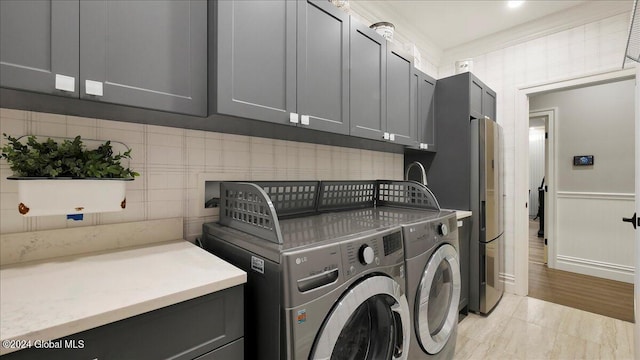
[[281, 61], [464, 239], [233, 351], [207, 327], [149, 54]]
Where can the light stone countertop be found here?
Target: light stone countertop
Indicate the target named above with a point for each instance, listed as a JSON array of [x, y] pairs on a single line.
[[51, 298], [461, 214]]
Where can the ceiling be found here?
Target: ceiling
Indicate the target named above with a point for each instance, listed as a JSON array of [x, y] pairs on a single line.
[[444, 25]]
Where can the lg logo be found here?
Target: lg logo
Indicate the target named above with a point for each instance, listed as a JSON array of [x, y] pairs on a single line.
[[301, 260]]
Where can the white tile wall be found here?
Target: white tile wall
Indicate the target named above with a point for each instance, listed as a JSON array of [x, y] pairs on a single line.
[[169, 161], [583, 50]]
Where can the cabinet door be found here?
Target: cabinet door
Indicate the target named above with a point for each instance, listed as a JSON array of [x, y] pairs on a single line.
[[427, 114], [367, 86], [475, 97], [233, 351], [489, 103], [144, 53], [256, 59], [323, 66], [399, 121], [39, 45], [415, 105]]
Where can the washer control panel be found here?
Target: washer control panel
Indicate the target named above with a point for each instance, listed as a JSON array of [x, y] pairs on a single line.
[[383, 248], [366, 254], [318, 270]]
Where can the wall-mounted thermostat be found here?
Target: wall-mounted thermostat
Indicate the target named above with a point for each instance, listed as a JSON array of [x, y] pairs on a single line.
[[583, 160]]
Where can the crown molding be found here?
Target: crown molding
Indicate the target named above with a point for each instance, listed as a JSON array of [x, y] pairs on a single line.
[[569, 18]]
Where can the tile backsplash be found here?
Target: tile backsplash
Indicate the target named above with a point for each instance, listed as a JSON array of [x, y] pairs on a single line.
[[171, 162]]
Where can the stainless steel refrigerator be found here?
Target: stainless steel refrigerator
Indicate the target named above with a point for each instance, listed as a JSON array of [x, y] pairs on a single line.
[[487, 204]]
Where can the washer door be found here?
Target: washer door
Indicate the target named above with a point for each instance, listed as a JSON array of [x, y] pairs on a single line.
[[438, 295], [369, 322]]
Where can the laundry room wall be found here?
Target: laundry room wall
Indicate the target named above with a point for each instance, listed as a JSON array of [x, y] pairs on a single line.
[[591, 200], [172, 162], [582, 50]]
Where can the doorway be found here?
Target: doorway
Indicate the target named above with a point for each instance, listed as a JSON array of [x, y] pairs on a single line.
[[537, 162], [590, 263]]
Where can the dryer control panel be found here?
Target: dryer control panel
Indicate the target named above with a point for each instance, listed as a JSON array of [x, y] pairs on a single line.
[[422, 236]]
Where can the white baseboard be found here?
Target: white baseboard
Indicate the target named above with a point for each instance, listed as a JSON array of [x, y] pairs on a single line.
[[509, 282], [595, 268]]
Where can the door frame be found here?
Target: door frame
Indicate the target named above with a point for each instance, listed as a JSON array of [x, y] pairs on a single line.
[[636, 287], [521, 161], [550, 181]]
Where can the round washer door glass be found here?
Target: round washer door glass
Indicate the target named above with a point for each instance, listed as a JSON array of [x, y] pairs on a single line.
[[437, 299], [369, 322]]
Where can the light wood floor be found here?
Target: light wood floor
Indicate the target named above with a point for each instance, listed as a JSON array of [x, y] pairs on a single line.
[[592, 294]]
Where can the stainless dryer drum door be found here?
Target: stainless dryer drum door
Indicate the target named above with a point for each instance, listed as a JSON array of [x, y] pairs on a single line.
[[438, 296], [369, 322]]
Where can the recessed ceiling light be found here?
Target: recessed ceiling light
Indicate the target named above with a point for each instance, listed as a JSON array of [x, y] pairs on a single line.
[[514, 3]]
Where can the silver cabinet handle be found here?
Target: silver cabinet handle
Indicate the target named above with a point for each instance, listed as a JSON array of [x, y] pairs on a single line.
[[293, 118], [386, 136], [304, 119]]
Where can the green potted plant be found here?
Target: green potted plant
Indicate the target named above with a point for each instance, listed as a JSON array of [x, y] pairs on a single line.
[[84, 181]]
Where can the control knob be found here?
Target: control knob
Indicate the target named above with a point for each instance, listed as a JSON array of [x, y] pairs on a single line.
[[366, 254], [443, 229]]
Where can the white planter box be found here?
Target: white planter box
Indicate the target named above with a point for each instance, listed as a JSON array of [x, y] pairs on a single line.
[[40, 197]]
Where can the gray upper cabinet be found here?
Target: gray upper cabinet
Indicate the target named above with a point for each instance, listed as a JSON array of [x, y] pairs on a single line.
[[323, 67], [475, 97], [256, 59], [482, 99], [489, 103], [401, 125], [149, 54], [426, 114], [39, 46], [368, 63], [282, 61], [422, 101]]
